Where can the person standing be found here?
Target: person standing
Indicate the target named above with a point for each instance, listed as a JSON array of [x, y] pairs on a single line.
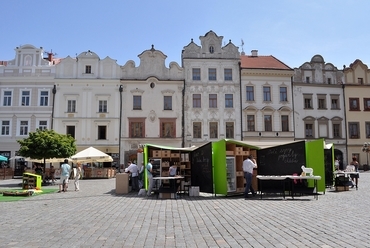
[[357, 175], [52, 174], [149, 170], [248, 166], [132, 168], [78, 173], [141, 176], [64, 176]]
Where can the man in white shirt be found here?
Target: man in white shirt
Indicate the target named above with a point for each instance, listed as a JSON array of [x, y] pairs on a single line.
[[248, 166], [133, 169]]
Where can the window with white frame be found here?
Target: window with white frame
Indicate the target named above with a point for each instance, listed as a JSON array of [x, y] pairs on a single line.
[[71, 130], [103, 106], [43, 125], [25, 98], [44, 98], [229, 101], [212, 100], [229, 130], [197, 101], [285, 123], [336, 131], [367, 129], [212, 74], [268, 122], [196, 74], [321, 101], [283, 94], [167, 101], [7, 101], [23, 128], [228, 74], [5, 128], [137, 102], [213, 130], [266, 93], [250, 93], [307, 101], [88, 69], [71, 106], [309, 127], [197, 130], [335, 102], [250, 123]]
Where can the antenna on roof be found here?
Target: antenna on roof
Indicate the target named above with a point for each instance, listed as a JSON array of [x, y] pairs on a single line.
[[242, 45]]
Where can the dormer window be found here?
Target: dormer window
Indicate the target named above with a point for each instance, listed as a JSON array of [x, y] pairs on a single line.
[[211, 49], [88, 69]]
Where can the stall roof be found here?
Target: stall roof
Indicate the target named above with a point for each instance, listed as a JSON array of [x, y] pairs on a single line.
[[188, 149], [261, 144]]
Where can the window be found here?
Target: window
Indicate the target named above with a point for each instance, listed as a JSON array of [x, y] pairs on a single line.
[[228, 73], [308, 80], [367, 129], [168, 128], [211, 49], [250, 123], [137, 103], [250, 93], [266, 94], [360, 80], [285, 123], [137, 127], [102, 132], [213, 100], [229, 130], [307, 101], [196, 101], [43, 125], [7, 98], [103, 106], [88, 69], [70, 130], [5, 127], [196, 74], [309, 130], [167, 100], [354, 130], [212, 74], [229, 102], [71, 108], [23, 128], [321, 101], [336, 131], [283, 94], [197, 130], [354, 104], [213, 130], [25, 98], [268, 122], [367, 104], [44, 98], [329, 80], [334, 102]]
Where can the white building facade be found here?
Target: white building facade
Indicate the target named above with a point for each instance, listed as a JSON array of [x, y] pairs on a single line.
[[26, 84], [319, 104], [212, 90]]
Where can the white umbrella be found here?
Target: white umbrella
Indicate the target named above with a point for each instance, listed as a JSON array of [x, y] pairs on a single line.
[[16, 157], [48, 160], [91, 154]]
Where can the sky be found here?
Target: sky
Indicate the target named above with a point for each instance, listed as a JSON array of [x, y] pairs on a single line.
[[293, 31]]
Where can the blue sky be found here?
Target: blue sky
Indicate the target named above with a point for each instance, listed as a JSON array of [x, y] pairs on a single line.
[[291, 30]]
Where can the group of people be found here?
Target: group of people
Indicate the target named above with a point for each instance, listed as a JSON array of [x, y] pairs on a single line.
[[65, 172]]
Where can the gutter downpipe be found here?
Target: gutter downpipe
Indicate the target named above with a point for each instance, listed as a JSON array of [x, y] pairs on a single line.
[[241, 102], [120, 127], [52, 111], [292, 85], [183, 117], [345, 121]]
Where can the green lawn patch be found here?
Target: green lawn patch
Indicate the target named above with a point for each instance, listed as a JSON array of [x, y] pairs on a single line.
[[17, 198]]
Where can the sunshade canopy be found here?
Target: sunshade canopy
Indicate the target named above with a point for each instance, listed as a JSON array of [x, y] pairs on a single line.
[[91, 154]]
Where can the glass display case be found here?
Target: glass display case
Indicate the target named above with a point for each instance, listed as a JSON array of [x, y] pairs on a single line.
[[230, 170]]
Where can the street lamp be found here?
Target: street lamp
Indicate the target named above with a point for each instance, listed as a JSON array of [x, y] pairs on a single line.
[[120, 127], [366, 148]]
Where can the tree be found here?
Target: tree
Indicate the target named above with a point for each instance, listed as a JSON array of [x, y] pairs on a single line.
[[45, 144]]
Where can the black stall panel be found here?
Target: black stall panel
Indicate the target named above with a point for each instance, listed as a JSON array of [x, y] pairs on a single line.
[[282, 160], [201, 168]]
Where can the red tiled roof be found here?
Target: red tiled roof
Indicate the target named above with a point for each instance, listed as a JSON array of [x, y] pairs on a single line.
[[262, 62]]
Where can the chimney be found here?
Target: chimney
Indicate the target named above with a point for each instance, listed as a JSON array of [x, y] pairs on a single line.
[[254, 53], [50, 57]]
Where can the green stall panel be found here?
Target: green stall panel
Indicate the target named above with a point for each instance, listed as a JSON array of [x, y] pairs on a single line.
[[219, 167], [315, 160]]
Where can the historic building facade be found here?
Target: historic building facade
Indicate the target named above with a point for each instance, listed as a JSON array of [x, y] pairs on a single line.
[[319, 108], [212, 90], [357, 110], [267, 103]]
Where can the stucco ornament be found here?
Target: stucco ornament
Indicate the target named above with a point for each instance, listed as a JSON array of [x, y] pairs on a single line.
[[152, 116]]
